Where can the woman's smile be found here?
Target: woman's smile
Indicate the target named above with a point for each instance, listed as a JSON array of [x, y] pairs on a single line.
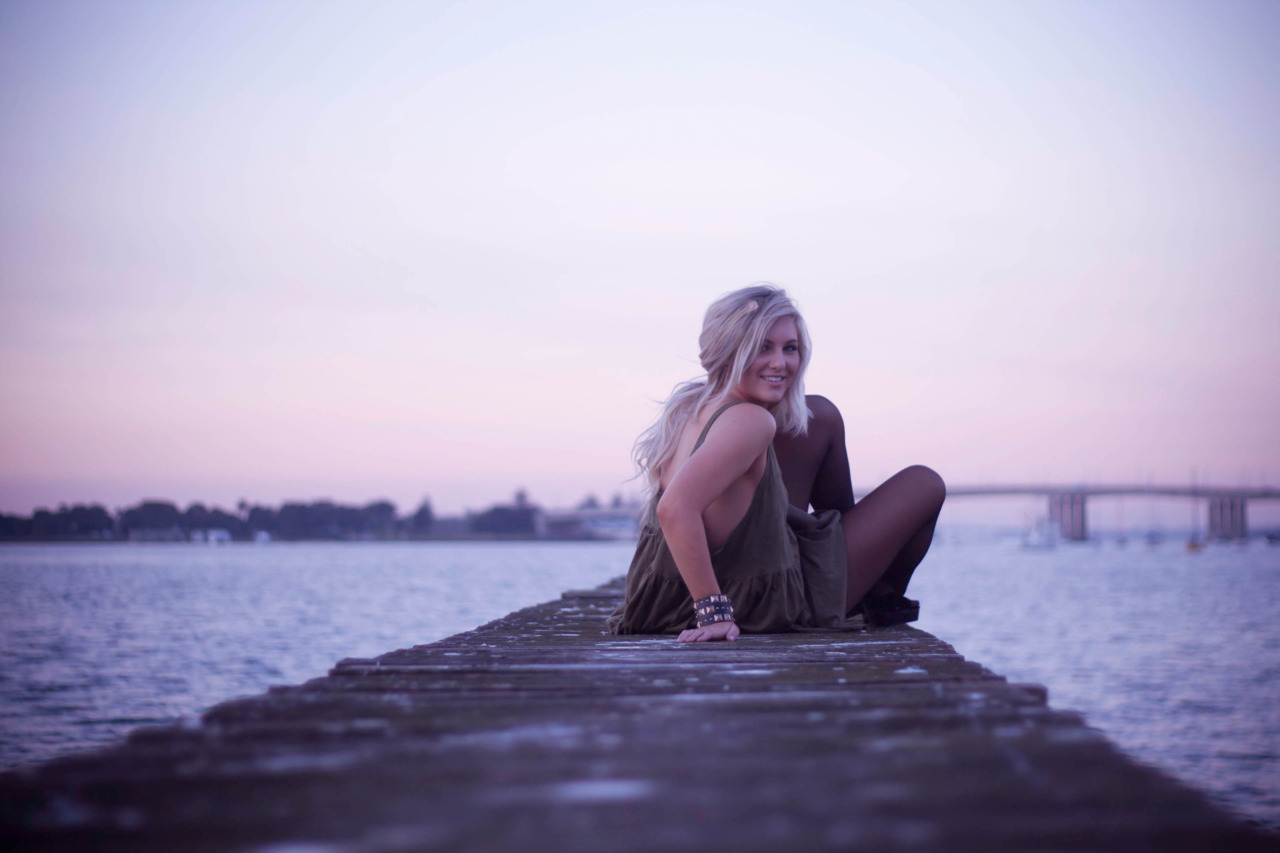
[[767, 378]]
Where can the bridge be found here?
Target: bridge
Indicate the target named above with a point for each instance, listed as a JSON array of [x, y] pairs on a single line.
[[1228, 516]]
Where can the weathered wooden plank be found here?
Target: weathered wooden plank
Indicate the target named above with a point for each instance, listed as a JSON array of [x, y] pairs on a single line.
[[538, 732]]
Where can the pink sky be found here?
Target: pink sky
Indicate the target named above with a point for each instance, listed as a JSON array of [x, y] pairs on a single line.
[[302, 250]]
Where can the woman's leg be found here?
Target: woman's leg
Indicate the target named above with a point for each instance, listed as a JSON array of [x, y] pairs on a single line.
[[888, 532]]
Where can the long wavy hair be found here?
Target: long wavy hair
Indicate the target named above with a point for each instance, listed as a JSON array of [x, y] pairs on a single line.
[[733, 331]]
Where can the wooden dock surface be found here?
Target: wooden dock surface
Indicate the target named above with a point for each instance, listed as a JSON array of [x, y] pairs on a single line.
[[537, 732]]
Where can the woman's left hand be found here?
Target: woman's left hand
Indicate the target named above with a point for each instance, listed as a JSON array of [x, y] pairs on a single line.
[[714, 631]]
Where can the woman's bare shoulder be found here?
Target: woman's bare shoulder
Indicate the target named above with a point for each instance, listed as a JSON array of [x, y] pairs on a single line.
[[749, 418]]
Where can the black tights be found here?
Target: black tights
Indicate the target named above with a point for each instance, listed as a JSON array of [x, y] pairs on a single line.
[[888, 532]]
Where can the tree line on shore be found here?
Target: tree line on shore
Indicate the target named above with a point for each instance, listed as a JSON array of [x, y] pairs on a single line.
[[160, 520]]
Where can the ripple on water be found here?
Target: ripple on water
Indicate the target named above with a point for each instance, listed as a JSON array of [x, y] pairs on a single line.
[[96, 637]]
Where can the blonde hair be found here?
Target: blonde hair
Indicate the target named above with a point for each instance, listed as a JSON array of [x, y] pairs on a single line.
[[733, 331]]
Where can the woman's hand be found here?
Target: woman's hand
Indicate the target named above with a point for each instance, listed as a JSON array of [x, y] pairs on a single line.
[[714, 631]]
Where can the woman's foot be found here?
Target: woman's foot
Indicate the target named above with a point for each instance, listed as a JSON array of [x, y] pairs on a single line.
[[885, 608]]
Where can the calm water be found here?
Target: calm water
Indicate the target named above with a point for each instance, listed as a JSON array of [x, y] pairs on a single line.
[[1176, 656]]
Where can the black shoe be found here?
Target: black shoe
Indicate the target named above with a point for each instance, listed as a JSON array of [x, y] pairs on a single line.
[[888, 609]]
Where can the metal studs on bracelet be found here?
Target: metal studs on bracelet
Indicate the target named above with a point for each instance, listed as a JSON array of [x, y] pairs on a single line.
[[711, 609]]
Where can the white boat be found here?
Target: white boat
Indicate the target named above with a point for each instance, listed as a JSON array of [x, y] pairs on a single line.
[[1041, 536]]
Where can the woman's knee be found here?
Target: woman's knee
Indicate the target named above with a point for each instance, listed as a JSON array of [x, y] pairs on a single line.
[[927, 484], [824, 417]]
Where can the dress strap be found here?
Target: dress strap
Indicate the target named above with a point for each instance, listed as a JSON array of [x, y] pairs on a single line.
[[717, 413]]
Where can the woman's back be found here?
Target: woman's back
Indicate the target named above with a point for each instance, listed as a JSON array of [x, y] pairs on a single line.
[[732, 437]]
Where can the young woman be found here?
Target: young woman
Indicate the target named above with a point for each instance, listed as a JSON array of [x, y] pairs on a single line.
[[733, 464]]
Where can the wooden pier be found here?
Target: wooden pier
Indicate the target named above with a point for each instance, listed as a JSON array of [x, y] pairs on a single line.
[[539, 733]]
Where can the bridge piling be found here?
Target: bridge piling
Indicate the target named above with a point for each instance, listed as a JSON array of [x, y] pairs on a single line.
[[1228, 519], [1227, 505], [1067, 511]]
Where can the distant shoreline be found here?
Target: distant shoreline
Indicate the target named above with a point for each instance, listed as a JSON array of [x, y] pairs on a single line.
[[322, 521], [338, 541], [218, 538]]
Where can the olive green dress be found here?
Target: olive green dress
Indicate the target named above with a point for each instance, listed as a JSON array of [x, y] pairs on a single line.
[[783, 569]]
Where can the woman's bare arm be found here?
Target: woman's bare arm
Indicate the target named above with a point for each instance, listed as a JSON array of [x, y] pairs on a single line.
[[734, 443]]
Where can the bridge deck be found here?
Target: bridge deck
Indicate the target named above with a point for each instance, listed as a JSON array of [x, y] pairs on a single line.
[[536, 732]]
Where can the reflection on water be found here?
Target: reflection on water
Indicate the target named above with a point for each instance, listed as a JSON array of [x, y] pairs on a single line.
[[1176, 656]]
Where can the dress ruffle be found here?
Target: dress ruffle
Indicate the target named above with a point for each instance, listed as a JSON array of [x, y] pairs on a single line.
[[659, 603], [783, 569]]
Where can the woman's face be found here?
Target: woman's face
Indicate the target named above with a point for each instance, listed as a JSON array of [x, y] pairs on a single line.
[[774, 368]]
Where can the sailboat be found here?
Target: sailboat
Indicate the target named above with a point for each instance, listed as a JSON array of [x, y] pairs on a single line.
[[1121, 538], [1154, 534], [1042, 535]]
